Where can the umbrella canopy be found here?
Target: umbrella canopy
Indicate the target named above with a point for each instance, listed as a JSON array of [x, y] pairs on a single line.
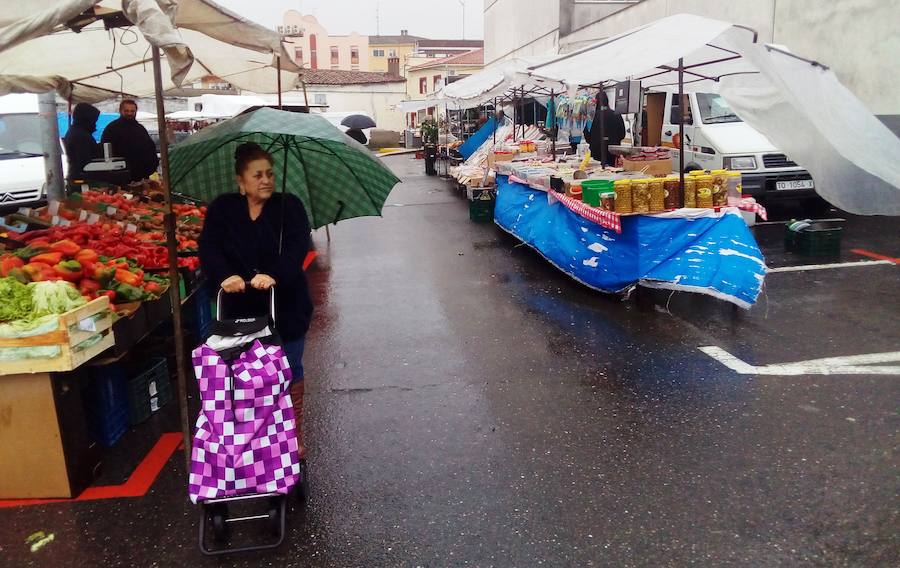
[[334, 176], [359, 121]]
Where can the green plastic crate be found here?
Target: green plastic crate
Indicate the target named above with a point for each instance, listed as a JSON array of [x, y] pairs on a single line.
[[820, 239], [481, 210]]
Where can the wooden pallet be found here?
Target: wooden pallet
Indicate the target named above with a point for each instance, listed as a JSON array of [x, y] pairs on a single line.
[[68, 337]]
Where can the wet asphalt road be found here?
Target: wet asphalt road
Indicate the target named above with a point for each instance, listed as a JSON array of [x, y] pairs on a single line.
[[471, 406]]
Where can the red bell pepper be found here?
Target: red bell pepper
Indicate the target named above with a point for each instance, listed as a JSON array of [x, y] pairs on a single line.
[[127, 277], [67, 247], [39, 272], [88, 287], [9, 262], [87, 255]]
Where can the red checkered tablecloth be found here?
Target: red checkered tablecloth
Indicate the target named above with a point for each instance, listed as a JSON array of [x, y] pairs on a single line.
[[608, 219]]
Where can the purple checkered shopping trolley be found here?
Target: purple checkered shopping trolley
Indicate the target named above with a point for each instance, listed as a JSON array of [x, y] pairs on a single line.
[[245, 443]]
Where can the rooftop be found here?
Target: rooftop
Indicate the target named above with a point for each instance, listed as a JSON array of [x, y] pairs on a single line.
[[342, 77], [394, 39], [474, 57], [472, 43]]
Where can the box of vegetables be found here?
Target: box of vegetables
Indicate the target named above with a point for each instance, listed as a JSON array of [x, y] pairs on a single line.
[[48, 326]]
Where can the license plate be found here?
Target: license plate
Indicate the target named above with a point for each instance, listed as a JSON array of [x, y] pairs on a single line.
[[795, 184]]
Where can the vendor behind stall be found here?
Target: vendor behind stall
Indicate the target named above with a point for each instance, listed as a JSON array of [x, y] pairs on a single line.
[[131, 141], [81, 147], [613, 130]]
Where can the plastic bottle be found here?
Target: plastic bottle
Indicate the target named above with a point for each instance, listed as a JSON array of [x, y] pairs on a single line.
[[735, 188]]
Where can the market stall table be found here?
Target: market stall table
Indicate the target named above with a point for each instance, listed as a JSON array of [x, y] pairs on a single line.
[[705, 251]]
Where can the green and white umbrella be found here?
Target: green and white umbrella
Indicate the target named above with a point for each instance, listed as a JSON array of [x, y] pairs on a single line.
[[335, 176]]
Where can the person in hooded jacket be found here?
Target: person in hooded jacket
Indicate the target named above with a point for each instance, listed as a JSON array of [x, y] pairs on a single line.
[[613, 130], [358, 135], [80, 145], [131, 141]]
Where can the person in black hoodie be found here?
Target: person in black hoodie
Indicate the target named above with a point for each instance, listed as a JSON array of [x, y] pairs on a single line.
[[131, 141], [81, 147], [357, 135], [613, 130], [261, 237]]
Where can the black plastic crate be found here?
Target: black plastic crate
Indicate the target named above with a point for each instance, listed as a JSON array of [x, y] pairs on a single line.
[[818, 239], [149, 389]]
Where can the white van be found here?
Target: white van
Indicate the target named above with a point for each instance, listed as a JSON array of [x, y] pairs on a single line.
[[22, 180], [715, 138]]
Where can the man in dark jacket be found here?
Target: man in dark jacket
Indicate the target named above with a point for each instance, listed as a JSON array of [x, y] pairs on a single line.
[[131, 141], [81, 147], [357, 135], [613, 130]]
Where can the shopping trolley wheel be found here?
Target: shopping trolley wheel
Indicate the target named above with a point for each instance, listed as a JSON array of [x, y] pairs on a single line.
[[303, 487], [218, 514], [273, 521]]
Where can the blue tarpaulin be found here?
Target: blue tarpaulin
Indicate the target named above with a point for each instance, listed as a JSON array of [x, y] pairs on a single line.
[[476, 140], [711, 253], [102, 121]]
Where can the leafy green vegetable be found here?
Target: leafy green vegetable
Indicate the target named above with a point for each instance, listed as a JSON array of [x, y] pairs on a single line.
[[15, 300], [54, 297]]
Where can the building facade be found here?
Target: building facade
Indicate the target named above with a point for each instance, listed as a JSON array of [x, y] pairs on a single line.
[[374, 94], [384, 48], [312, 47], [867, 65], [430, 74]]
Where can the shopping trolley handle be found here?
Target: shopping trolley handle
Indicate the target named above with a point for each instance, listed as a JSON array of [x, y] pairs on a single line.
[[246, 288]]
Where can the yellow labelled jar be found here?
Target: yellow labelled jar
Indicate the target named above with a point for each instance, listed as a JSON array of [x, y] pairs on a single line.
[[719, 188], [657, 195], [672, 198], [623, 195], [640, 195], [704, 191], [690, 191]]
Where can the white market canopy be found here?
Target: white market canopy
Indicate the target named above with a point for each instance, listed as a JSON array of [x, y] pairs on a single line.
[[502, 80], [799, 105], [39, 51]]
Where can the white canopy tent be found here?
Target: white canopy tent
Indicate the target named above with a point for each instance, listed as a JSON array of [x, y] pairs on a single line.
[[798, 104], [504, 80], [39, 51]]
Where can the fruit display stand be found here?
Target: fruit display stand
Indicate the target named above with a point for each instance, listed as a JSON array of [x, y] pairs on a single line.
[[44, 447]]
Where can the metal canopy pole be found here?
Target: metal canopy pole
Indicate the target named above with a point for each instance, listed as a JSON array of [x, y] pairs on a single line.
[[496, 121], [553, 136], [172, 245], [278, 67], [681, 122]]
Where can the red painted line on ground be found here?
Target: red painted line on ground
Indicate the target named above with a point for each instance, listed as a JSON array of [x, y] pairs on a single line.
[[310, 257], [137, 485], [875, 255]]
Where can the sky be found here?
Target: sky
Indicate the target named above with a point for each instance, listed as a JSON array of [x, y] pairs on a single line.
[[437, 19]]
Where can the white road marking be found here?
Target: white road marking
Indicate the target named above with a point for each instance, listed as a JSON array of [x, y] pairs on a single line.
[[848, 365], [805, 267]]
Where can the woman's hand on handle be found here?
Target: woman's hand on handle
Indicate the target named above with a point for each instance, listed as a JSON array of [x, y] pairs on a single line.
[[262, 282], [233, 284]]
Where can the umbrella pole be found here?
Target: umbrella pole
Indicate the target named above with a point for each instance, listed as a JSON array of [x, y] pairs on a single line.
[[172, 245], [278, 67], [305, 96], [681, 123]]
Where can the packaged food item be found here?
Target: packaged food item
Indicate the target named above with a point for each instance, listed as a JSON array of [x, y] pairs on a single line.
[[657, 195], [574, 191], [623, 195], [735, 188], [689, 191], [672, 198], [704, 191], [608, 200], [640, 195], [719, 188]]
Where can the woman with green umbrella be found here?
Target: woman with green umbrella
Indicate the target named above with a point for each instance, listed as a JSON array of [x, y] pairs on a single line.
[[259, 237]]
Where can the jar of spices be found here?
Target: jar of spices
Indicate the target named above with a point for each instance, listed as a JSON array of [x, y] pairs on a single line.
[[720, 188], [640, 195], [657, 195], [705, 191], [672, 198], [623, 195], [608, 200], [690, 191]]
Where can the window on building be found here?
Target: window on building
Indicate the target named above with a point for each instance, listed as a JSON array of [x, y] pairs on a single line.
[[436, 82], [298, 55], [313, 54], [354, 55], [335, 56], [392, 53], [423, 85], [281, 29], [378, 53], [320, 99]]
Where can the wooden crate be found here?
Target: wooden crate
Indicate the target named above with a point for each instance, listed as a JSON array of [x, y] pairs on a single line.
[[67, 337]]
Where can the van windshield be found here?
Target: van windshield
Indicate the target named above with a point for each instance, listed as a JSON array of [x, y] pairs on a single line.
[[20, 136], [714, 109]]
